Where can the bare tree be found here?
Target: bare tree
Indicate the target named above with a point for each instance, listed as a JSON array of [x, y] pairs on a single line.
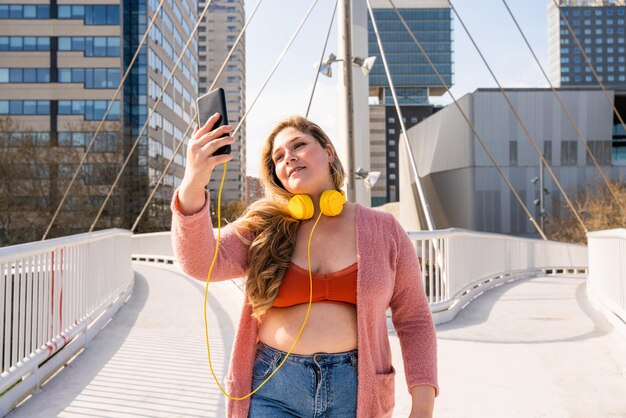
[[598, 209], [35, 170]]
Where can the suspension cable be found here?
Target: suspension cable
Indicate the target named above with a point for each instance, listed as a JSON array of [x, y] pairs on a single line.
[[471, 126], [106, 113], [418, 182], [156, 103], [565, 110], [191, 123], [317, 73], [280, 58], [588, 61], [522, 124]]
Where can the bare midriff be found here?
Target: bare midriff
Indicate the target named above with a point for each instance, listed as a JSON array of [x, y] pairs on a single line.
[[330, 328]]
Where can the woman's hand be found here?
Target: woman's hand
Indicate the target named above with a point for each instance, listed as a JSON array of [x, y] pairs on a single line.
[[200, 163], [203, 143], [423, 401]]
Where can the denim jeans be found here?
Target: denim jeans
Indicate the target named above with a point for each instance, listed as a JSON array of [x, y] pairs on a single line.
[[319, 385]]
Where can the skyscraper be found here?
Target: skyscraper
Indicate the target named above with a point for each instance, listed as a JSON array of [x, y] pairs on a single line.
[[599, 27], [217, 35], [60, 65], [414, 80]]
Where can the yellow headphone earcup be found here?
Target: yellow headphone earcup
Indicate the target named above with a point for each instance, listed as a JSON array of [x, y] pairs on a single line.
[[301, 206], [331, 202]]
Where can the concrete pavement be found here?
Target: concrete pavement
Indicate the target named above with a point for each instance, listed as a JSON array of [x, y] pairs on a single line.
[[532, 348]]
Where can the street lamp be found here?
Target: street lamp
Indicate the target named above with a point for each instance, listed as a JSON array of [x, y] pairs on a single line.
[[326, 68], [538, 180], [370, 177], [365, 64]]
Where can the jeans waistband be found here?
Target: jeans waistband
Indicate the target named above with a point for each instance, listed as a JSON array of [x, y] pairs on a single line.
[[317, 358]]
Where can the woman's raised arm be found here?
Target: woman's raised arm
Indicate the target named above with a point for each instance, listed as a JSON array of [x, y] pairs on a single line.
[[193, 239]]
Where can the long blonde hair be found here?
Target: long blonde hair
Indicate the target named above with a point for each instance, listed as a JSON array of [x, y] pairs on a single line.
[[268, 219]]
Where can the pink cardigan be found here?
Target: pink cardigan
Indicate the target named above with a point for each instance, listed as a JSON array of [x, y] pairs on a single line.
[[389, 276]]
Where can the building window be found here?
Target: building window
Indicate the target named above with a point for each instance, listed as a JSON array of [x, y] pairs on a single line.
[[547, 151], [601, 150], [24, 107], [513, 153], [569, 151], [90, 109], [91, 14], [392, 131], [91, 78], [96, 46], [24, 75], [25, 43], [26, 11]]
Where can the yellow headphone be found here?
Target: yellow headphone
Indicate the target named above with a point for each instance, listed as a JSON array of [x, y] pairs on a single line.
[[331, 204], [300, 207]]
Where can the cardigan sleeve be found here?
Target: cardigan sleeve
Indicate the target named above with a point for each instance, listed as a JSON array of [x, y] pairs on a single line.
[[411, 317], [194, 241]]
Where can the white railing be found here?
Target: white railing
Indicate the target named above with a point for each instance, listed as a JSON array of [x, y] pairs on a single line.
[[458, 265], [55, 296], [153, 246], [607, 273]]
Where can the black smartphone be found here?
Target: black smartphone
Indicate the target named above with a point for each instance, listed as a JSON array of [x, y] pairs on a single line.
[[208, 104]]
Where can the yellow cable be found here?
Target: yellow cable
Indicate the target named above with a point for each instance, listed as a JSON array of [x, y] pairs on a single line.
[[206, 294]]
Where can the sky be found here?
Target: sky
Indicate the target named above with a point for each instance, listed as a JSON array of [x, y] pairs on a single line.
[[289, 89]]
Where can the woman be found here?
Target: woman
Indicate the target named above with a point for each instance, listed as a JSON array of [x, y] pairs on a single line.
[[362, 261]]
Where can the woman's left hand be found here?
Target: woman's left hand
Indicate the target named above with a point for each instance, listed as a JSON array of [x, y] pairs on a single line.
[[423, 401]]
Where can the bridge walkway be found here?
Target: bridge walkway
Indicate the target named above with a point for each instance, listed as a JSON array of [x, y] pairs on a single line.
[[532, 348]]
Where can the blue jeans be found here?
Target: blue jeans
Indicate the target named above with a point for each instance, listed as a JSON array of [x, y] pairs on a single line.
[[319, 385]]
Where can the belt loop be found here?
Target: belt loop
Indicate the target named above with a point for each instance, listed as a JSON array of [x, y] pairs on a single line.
[[277, 357], [354, 358]]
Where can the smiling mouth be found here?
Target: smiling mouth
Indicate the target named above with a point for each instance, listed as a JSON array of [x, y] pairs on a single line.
[[296, 170]]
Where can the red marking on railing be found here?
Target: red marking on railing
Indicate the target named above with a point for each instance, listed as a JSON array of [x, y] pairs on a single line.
[[52, 297], [51, 346], [61, 293]]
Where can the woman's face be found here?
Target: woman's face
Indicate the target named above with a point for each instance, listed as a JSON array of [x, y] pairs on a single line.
[[301, 164]]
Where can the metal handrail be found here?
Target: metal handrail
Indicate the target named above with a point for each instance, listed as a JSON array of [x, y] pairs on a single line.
[[55, 296]]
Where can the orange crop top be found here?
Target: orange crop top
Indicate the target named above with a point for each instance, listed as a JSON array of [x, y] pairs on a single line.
[[335, 287]]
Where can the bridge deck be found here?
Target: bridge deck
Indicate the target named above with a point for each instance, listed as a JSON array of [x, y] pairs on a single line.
[[533, 348]]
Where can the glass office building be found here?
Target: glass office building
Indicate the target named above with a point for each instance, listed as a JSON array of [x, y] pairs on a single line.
[[413, 77], [60, 65], [599, 27], [415, 81]]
